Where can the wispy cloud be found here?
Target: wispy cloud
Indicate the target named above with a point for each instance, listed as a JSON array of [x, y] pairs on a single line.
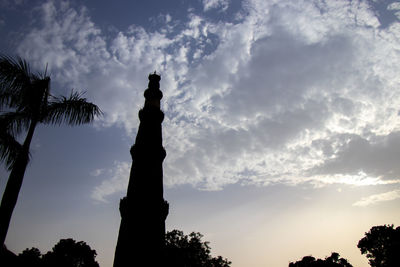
[[97, 172], [373, 199], [288, 92], [117, 182], [211, 4], [378, 155], [11, 3]]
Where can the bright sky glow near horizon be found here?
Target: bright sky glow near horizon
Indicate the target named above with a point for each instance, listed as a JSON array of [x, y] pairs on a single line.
[[281, 126]]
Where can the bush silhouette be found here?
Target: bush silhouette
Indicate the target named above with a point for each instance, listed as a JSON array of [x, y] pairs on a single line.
[[30, 257], [69, 253], [189, 250], [66, 253], [332, 261]]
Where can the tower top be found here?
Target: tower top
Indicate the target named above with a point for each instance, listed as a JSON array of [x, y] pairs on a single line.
[[154, 77]]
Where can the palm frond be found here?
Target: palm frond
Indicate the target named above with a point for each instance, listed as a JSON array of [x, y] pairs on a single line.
[[34, 100], [9, 149], [15, 77], [74, 110], [14, 122], [7, 98]]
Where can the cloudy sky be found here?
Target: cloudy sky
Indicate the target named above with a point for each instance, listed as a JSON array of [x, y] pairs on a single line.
[[281, 127]]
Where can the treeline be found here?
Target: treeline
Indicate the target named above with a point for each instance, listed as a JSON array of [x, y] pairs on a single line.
[[66, 253], [180, 251], [381, 245]]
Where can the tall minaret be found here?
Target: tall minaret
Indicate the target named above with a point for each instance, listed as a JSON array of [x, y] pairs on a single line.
[[144, 210]]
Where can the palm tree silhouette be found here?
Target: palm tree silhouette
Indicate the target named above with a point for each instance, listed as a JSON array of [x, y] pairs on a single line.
[[25, 101]]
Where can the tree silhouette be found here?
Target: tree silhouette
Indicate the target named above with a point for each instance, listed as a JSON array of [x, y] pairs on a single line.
[[332, 261], [25, 101], [382, 246], [30, 257], [188, 250], [69, 253], [66, 253]]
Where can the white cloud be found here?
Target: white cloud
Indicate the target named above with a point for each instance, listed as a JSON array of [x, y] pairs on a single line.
[[378, 156], [117, 182], [373, 199], [212, 4], [394, 6], [280, 96], [97, 172]]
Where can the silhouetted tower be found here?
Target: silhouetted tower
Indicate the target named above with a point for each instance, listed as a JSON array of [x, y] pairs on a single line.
[[143, 211]]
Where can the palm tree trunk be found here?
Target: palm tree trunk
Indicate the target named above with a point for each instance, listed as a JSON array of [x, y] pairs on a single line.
[[14, 184]]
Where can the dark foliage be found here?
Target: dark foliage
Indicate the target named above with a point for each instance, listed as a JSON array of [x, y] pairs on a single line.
[[181, 251], [190, 251], [332, 261], [25, 99], [30, 257], [381, 246], [69, 253], [66, 253]]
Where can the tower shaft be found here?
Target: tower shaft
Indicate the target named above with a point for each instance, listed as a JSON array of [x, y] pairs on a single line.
[[143, 211]]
